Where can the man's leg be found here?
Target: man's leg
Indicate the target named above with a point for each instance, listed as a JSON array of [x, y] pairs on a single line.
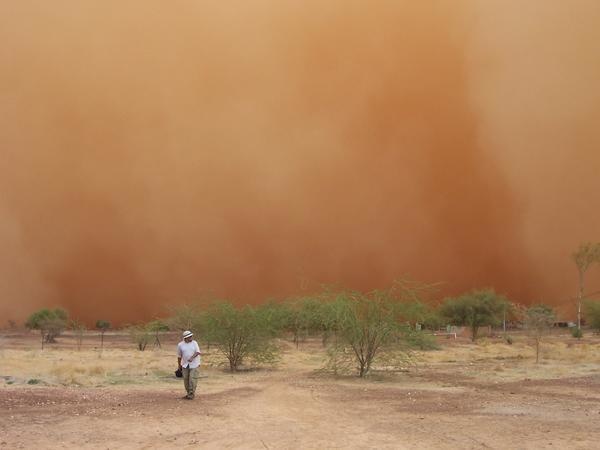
[[186, 380], [194, 373]]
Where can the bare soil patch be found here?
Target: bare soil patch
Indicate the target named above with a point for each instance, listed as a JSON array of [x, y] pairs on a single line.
[[463, 396]]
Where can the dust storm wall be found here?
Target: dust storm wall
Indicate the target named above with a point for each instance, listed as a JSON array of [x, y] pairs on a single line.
[[536, 85], [153, 152]]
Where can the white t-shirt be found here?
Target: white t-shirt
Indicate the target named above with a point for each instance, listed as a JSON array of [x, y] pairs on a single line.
[[185, 350]]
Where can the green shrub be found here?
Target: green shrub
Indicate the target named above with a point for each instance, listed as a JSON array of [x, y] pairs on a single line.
[[592, 313], [50, 322], [576, 332], [475, 309], [365, 323], [420, 340], [241, 334]]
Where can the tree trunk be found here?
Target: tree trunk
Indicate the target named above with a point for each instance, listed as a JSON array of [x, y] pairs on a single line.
[[580, 298], [232, 365], [362, 370], [324, 338], [474, 330]]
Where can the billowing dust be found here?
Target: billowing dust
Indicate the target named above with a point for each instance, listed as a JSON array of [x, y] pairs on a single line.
[[153, 152]]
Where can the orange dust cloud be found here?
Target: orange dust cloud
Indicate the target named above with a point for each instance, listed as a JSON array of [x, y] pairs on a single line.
[[152, 151]]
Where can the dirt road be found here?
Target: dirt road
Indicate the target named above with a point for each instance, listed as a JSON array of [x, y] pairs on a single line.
[[297, 410]]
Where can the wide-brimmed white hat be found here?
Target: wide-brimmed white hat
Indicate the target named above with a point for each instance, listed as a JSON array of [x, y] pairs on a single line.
[[187, 334]]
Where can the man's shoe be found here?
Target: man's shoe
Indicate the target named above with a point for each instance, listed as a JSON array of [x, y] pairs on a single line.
[[186, 397]]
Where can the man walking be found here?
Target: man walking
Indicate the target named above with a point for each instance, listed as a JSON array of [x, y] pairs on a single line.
[[188, 360]]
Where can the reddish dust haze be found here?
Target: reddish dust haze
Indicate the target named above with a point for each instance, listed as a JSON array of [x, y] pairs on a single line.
[[153, 152]]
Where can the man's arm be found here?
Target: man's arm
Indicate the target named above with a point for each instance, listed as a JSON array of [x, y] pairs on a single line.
[[194, 356], [196, 353], [179, 362]]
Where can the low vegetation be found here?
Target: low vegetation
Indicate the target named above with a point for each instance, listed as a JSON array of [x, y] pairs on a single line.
[[78, 328], [475, 309], [538, 321], [592, 314], [584, 257], [241, 333], [50, 322]]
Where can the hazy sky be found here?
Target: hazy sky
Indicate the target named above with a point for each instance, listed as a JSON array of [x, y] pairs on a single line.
[[153, 151]]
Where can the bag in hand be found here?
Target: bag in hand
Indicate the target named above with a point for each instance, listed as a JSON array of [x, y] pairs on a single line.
[[179, 373]]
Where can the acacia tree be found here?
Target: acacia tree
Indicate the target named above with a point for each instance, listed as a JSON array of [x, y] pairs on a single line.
[[366, 323], [538, 320], [327, 317], [587, 254], [475, 309], [78, 329], [301, 317], [372, 326], [375, 326], [156, 327], [103, 326], [241, 333], [50, 322]]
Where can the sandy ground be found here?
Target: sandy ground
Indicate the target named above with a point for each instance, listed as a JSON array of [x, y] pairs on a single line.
[[488, 395]]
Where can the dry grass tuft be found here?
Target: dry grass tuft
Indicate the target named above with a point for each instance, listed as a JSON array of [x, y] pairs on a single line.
[[89, 367]]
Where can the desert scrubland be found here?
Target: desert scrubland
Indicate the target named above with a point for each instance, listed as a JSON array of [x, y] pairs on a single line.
[[486, 394]]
